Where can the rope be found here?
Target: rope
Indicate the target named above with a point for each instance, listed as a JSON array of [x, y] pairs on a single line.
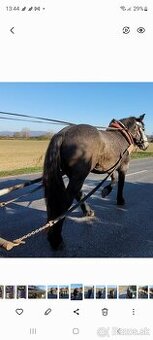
[[8, 245]]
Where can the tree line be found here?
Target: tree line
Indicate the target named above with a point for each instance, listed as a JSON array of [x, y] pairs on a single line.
[[25, 133]]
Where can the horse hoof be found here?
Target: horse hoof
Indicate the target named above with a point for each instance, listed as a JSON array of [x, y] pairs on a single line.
[[106, 191], [55, 241], [89, 213]]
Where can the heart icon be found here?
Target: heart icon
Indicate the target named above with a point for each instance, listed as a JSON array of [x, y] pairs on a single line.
[[19, 311]]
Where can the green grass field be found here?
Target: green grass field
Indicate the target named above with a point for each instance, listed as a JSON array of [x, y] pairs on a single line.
[[143, 154], [27, 156]]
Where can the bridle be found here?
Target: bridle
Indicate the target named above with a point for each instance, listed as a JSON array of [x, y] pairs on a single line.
[[141, 141]]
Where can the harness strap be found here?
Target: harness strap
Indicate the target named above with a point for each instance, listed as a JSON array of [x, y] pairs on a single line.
[[125, 132]]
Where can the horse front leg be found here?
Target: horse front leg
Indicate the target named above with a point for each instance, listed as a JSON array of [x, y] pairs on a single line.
[[87, 211], [108, 188], [121, 180]]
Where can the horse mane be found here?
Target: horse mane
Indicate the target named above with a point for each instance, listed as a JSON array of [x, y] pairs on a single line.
[[128, 122]]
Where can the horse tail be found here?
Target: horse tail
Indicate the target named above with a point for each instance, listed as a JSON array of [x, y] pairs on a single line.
[[55, 192]]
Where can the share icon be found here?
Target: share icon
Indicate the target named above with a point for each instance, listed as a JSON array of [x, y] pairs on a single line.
[[76, 311]]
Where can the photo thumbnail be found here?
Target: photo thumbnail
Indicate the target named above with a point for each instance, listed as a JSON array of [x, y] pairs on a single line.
[[52, 292], [143, 292], [36, 292], [9, 292], [89, 292], [100, 292], [127, 292], [1, 292], [76, 292], [64, 292], [21, 292], [151, 292], [111, 292]]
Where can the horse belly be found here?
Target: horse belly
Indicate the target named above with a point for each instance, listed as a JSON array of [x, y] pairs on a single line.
[[105, 163]]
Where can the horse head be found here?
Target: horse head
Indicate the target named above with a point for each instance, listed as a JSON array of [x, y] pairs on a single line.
[[137, 129]]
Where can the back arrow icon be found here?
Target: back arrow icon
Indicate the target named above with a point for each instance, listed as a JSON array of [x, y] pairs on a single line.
[[12, 30]]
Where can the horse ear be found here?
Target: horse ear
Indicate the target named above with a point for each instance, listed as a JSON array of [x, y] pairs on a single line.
[[112, 121], [141, 118]]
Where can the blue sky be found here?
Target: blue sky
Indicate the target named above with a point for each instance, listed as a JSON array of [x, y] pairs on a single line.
[[92, 103]]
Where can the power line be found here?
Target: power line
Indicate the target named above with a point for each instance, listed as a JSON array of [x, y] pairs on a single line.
[[36, 117], [27, 120]]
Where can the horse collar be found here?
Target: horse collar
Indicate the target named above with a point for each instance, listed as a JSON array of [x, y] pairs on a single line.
[[125, 132]]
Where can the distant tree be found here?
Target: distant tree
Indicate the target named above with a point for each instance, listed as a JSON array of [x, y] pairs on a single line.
[[49, 134], [17, 135], [25, 133], [46, 136]]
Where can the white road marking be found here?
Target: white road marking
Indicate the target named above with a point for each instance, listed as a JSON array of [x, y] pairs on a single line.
[[136, 173]]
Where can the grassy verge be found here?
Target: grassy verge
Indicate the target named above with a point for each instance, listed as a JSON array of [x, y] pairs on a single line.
[[22, 171], [141, 154], [32, 170]]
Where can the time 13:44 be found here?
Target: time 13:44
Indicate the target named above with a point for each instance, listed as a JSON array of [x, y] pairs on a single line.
[[13, 8]]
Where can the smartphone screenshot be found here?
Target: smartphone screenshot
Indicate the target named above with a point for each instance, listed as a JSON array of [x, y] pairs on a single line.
[[76, 169]]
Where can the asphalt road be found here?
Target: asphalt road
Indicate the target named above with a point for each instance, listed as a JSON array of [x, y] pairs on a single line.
[[114, 232]]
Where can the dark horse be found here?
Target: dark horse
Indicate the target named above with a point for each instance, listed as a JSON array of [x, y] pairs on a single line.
[[78, 150]]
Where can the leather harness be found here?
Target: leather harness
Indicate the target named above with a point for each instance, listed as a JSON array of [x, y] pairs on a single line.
[[125, 132]]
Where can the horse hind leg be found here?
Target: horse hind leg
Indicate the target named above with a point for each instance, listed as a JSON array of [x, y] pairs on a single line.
[[55, 194], [108, 188], [60, 200], [85, 207], [55, 232]]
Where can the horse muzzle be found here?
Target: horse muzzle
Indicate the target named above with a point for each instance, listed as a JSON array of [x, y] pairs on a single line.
[[143, 146]]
